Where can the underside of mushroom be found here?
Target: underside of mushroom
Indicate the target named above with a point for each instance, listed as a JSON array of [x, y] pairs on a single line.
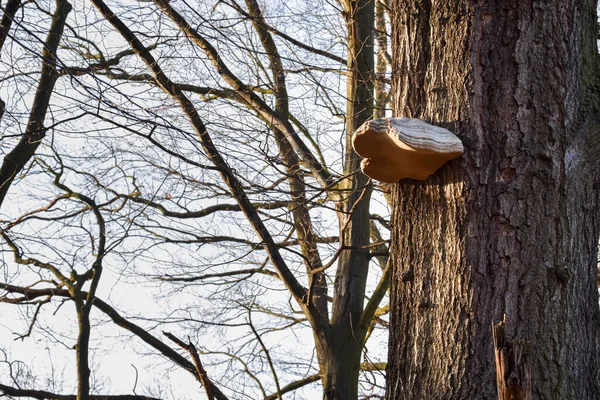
[[399, 148]]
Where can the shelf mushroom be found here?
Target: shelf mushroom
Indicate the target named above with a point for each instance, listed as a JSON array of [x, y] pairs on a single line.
[[398, 148]]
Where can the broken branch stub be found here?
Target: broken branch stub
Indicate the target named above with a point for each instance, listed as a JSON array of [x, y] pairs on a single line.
[[513, 376], [399, 148]]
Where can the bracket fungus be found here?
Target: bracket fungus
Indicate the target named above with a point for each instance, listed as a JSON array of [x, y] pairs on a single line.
[[398, 148]]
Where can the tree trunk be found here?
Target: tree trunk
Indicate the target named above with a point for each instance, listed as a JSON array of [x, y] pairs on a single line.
[[511, 228], [340, 361]]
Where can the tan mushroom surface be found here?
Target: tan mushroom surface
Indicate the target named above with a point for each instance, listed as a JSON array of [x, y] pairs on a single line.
[[399, 148]]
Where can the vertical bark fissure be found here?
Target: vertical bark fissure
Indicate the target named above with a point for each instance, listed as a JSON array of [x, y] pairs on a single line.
[[582, 170], [409, 98]]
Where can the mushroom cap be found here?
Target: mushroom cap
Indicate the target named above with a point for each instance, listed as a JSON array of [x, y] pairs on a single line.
[[399, 148]]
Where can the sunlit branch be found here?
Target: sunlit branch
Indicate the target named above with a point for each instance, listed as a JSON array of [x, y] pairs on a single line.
[[372, 309], [295, 385], [19, 259]]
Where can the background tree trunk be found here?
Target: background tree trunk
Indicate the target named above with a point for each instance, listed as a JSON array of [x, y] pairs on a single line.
[[510, 228], [341, 356]]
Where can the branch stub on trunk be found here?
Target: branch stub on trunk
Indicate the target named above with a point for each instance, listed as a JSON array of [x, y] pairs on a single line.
[[513, 376]]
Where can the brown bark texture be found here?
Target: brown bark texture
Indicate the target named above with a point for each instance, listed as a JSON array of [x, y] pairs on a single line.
[[511, 227]]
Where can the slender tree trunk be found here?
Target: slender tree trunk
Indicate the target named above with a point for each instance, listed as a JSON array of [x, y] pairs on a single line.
[[341, 356], [83, 343], [511, 228]]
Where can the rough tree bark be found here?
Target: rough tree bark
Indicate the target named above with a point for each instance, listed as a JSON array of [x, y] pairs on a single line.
[[510, 228]]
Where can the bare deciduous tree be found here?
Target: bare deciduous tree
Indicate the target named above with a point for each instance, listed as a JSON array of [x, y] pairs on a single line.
[[203, 149]]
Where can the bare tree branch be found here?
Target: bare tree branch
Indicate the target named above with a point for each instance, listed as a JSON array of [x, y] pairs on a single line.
[[315, 377], [267, 353], [319, 171], [31, 293], [294, 385], [7, 19], [24, 150], [284, 36], [228, 176], [44, 395], [202, 375]]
